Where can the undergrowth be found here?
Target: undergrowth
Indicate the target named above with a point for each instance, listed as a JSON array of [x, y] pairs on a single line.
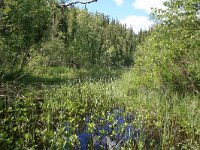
[[38, 117]]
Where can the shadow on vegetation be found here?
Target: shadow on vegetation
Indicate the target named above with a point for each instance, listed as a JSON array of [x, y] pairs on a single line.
[[62, 75]]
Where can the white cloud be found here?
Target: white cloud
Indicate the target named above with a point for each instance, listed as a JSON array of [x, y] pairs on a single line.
[[137, 23], [119, 2], [148, 4]]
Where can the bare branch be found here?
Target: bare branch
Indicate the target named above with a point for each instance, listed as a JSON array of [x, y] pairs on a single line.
[[77, 2]]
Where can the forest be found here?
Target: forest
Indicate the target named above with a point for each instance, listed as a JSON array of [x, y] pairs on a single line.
[[71, 79]]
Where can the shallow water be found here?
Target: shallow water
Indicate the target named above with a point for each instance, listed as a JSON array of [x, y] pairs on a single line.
[[110, 134]]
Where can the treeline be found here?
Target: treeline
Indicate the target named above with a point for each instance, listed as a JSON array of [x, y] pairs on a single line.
[[93, 39], [39, 33], [169, 59]]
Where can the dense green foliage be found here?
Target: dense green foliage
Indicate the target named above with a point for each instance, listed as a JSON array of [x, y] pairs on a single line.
[[37, 117], [59, 65], [23, 29], [171, 52], [40, 33]]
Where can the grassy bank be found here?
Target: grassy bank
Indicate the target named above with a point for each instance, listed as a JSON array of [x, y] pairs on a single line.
[[36, 118]]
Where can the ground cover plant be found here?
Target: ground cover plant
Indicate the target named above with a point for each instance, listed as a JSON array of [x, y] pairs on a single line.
[[40, 117], [66, 82]]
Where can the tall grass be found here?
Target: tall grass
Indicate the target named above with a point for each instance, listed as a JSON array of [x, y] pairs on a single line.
[[48, 117]]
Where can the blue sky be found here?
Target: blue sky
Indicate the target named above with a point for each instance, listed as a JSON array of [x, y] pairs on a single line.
[[134, 13], [115, 9]]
